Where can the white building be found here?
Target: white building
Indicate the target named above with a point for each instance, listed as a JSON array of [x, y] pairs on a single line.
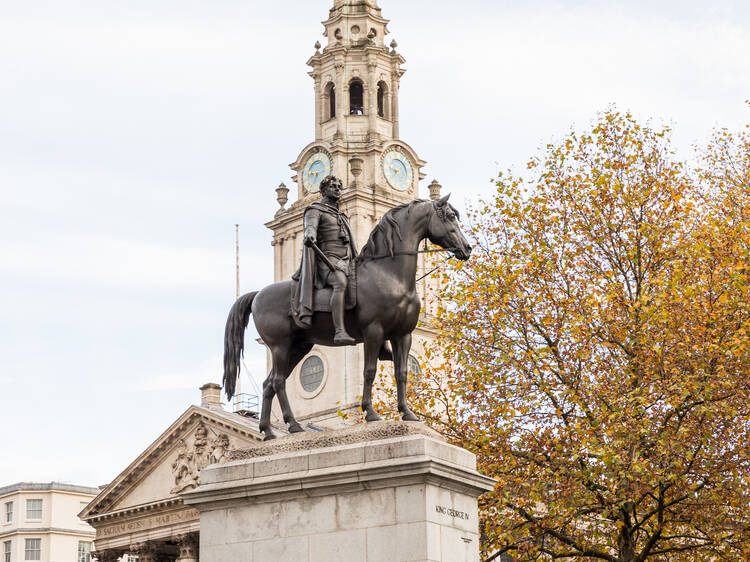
[[40, 522]]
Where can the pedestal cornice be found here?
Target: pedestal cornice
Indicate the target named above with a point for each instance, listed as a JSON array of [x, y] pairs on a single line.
[[316, 467]]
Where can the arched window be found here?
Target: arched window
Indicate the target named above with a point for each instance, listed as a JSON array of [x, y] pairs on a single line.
[[330, 95], [382, 100], [414, 367], [356, 97]]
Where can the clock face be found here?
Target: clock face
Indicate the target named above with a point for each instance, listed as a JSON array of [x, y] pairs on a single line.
[[317, 167], [397, 170]]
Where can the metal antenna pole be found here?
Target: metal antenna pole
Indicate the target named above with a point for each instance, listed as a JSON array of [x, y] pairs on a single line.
[[238, 390]]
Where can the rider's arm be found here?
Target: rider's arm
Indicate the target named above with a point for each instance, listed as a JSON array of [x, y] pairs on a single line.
[[312, 218]]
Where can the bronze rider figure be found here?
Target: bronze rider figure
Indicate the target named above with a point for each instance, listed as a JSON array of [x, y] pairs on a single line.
[[328, 228]]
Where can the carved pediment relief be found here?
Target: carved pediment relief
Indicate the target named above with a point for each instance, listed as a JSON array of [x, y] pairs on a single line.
[[172, 464], [203, 448]]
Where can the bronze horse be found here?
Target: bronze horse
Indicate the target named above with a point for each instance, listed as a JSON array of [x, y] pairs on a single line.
[[388, 309]]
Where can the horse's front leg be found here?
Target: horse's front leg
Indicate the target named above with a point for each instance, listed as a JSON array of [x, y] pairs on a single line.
[[401, 348], [373, 343], [281, 370], [265, 412]]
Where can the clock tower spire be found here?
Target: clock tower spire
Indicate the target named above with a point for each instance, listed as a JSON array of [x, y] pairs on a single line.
[[357, 79]]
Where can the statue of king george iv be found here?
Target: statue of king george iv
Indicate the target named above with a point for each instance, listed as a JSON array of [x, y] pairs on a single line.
[[327, 232], [340, 298]]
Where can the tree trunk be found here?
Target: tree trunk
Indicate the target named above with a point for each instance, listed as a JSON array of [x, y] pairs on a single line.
[[625, 543]]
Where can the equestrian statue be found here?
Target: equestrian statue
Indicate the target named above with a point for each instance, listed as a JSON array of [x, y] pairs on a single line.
[[339, 297]]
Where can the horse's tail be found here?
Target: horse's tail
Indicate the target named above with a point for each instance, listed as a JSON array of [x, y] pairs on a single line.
[[234, 341]]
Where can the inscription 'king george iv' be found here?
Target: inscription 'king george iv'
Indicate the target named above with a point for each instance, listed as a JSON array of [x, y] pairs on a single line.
[[452, 512]]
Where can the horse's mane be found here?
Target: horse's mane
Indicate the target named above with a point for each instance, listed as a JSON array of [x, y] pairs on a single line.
[[384, 231]]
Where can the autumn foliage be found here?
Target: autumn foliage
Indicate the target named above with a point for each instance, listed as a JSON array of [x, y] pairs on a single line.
[[597, 350]]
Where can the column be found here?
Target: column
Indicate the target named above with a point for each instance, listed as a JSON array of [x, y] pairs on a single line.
[[146, 552], [395, 81], [342, 100], [372, 102], [318, 107], [188, 545], [277, 253], [106, 555]]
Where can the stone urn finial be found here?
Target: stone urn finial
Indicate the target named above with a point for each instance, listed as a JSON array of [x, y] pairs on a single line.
[[282, 193], [393, 46], [317, 47], [356, 166], [435, 188]]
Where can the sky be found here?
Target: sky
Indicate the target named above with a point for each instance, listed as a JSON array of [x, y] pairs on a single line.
[[135, 135]]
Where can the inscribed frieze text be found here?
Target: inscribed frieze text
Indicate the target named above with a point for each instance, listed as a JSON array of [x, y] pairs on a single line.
[[145, 523]]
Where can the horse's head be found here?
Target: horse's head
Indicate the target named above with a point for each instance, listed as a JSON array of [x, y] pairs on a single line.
[[444, 230]]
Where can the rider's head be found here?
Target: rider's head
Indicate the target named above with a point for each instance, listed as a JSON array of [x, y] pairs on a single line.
[[331, 186]]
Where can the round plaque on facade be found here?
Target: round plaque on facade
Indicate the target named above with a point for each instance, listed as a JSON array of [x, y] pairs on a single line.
[[311, 374]]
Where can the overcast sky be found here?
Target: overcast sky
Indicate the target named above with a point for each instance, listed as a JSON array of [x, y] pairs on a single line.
[[134, 135]]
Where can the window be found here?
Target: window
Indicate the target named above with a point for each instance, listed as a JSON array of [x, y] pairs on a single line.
[[330, 93], [356, 98], [9, 512], [6, 551], [414, 367], [382, 100], [84, 551], [33, 511], [33, 550], [311, 374]]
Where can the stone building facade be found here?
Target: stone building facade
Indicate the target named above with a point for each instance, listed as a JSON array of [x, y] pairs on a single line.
[[357, 78], [140, 514], [40, 522]]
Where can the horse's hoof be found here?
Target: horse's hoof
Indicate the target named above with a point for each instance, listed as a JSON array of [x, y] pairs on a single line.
[[270, 436], [410, 417], [373, 416], [296, 428]]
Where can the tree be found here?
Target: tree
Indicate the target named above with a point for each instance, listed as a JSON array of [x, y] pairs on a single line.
[[599, 351]]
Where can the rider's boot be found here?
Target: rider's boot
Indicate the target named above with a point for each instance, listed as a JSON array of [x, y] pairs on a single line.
[[340, 337]]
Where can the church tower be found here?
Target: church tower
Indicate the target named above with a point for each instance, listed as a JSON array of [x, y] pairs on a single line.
[[356, 77]]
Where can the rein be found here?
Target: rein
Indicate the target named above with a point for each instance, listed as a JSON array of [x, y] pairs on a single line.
[[434, 269], [362, 258]]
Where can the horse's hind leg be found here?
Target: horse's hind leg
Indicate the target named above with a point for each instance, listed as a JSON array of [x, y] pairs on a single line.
[[401, 347], [284, 361], [296, 354]]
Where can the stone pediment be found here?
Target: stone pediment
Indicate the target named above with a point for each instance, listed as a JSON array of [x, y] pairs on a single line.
[[172, 464]]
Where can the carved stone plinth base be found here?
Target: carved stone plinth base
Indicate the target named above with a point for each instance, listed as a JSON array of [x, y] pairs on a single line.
[[381, 492]]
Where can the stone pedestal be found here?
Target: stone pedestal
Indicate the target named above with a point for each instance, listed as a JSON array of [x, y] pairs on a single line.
[[382, 492]]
